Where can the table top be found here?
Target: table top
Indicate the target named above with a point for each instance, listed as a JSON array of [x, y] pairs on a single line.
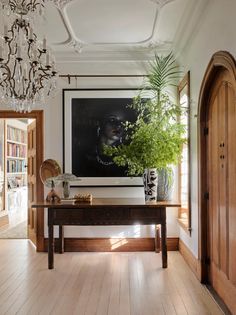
[[111, 202]]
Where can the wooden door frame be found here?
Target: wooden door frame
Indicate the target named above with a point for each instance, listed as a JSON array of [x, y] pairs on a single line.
[[38, 115], [220, 61]]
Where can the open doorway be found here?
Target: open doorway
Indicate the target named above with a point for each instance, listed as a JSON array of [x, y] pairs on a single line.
[[35, 137], [14, 188]]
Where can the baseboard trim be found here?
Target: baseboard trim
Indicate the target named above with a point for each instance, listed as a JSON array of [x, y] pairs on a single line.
[[190, 259], [113, 244]]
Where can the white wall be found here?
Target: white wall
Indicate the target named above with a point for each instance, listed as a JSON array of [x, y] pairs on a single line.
[[216, 31]]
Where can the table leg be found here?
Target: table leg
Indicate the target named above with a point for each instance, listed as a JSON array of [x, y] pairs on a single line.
[[61, 239], [50, 240], [163, 244], [157, 239]]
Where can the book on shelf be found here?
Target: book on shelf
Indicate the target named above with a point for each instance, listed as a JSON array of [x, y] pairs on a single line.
[[16, 134], [16, 166], [16, 150]]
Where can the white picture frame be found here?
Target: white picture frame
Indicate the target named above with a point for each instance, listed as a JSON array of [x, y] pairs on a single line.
[[90, 106]]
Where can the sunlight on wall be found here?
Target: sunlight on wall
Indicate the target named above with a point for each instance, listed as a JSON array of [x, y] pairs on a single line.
[[117, 243]]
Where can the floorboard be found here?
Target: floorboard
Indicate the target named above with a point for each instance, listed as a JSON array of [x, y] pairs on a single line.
[[98, 284]]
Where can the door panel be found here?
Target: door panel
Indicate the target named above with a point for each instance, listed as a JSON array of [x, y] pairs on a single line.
[[221, 166], [222, 170], [213, 189], [32, 183], [232, 184]]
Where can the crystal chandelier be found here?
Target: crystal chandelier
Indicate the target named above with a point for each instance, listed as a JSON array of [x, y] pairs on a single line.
[[27, 67]]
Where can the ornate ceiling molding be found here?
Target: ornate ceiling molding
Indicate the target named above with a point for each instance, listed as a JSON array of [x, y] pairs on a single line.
[[78, 45], [60, 4], [73, 49], [161, 3]]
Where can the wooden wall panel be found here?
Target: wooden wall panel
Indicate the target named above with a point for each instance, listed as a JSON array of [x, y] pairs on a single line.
[[113, 244]]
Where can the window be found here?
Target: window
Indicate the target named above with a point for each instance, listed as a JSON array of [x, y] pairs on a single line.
[[184, 215]]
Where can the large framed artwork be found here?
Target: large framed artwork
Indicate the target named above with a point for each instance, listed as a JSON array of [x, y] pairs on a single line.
[[92, 118]]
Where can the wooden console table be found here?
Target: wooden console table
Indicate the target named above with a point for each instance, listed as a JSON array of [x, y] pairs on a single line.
[[105, 211]]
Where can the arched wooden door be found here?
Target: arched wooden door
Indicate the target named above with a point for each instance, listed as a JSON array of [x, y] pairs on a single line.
[[218, 147]]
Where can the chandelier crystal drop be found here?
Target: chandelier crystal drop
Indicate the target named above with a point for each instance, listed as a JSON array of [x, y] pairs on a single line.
[[27, 66]]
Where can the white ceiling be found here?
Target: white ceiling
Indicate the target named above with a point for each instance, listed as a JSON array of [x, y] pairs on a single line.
[[119, 29]]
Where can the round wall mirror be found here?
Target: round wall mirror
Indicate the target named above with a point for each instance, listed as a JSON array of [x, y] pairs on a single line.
[[49, 168]]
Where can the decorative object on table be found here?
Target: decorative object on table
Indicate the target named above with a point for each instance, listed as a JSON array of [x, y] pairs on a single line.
[[155, 139], [164, 184], [66, 178], [92, 118], [48, 172], [150, 184], [67, 201], [83, 198], [52, 196], [27, 66]]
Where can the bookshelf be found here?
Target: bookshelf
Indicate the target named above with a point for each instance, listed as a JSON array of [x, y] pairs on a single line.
[[13, 171], [15, 160]]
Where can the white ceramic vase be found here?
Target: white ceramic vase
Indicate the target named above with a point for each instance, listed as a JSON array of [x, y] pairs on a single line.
[[165, 184]]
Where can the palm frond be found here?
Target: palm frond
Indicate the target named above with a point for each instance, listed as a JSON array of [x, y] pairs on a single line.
[[163, 72]]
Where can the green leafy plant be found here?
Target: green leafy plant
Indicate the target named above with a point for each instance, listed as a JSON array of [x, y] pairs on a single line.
[[155, 139]]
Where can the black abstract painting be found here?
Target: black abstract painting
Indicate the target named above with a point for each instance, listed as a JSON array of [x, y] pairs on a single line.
[[95, 122]]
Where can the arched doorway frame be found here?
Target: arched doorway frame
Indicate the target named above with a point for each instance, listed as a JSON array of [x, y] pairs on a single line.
[[221, 60]]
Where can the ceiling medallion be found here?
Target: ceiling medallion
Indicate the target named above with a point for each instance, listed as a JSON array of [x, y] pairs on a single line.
[[27, 66], [76, 45]]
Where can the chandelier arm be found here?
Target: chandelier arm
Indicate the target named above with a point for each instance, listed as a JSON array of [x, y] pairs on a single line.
[[8, 74], [41, 52], [41, 82], [11, 88], [3, 85], [22, 79], [28, 50], [36, 4], [9, 40], [25, 26], [44, 70], [34, 85], [28, 87], [32, 5], [12, 79], [42, 77], [28, 6], [12, 4], [23, 87]]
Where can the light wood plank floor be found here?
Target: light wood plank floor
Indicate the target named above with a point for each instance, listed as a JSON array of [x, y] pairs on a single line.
[[98, 284]]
